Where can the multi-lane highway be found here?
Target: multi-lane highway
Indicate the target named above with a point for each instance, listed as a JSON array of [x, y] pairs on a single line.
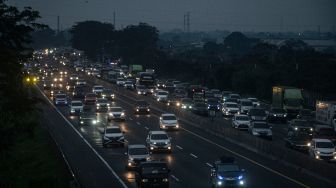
[[194, 151]]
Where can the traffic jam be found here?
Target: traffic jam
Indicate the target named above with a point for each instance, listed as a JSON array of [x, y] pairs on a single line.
[[93, 97]]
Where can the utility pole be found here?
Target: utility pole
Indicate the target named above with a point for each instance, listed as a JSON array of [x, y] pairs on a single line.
[[188, 22], [58, 24], [184, 22], [114, 17]]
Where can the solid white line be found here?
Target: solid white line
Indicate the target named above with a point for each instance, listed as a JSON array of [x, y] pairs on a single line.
[[138, 123], [193, 155], [98, 155], [246, 158], [209, 165], [179, 147], [175, 178]]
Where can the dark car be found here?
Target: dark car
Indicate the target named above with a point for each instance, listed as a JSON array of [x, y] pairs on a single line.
[[213, 104], [79, 92], [299, 141], [87, 118], [305, 114], [186, 103], [200, 109], [108, 94], [326, 132], [152, 174], [141, 106], [277, 115], [257, 114], [300, 125], [226, 173]]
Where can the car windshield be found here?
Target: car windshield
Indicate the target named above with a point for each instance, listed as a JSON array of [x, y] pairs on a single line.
[[141, 87], [159, 137], [253, 99], [228, 168], [302, 123], [234, 96], [324, 145], [242, 118], [232, 105], [60, 96], [138, 151], [186, 100], [98, 88], [261, 125], [116, 109], [257, 112], [168, 117], [76, 104], [215, 91], [212, 101], [154, 168], [113, 130], [128, 82], [91, 95], [278, 110], [247, 103], [120, 79], [107, 91], [162, 93], [142, 103], [102, 100]]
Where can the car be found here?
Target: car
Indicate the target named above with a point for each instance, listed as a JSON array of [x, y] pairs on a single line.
[[260, 128], [162, 96], [102, 105], [129, 85], [234, 96], [325, 132], [277, 114], [217, 93], [116, 113], [180, 93], [90, 98], [141, 90], [213, 104], [141, 106], [208, 95], [245, 105], [298, 141], [198, 96], [322, 149], [300, 125], [136, 153], [120, 82], [257, 114], [76, 107], [305, 114], [60, 99], [200, 109], [47, 84], [186, 103], [152, 174], [97, 89], [230, 108], [240, 121], [87, 118], [227, 173], [225, 95], [168, 121], [113, 136], [158, 141], [81, 82], [70, 86], [73, 77], [255, 101], [108, 94]]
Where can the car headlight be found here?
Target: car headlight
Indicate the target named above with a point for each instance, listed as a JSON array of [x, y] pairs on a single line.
[[311, 129], [296, 128], [94, 121], [145, 180], [240, 177], [122, 114], [219, 183], [274, 115], [147, 158], [110, 114], [285, 115], [98, 104], [55, 79], [108, 104], [308, 144], [241, 182], [165, 180]]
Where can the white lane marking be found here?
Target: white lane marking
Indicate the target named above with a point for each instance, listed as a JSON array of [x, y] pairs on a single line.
[[130, 118], [138, 123], [179, 147], [193, 155], [175, 178], [147, 128], [246, 158], [209, 165], [90, 146]]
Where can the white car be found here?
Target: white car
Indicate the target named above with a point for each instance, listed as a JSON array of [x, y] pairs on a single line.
[[97, 89], [120, 81], [116, 113], [230, 108], [168, 121], [76, 107], [162, 96], [245, 105], [240, 121], [255, 101], [60, 99], [135, 154], [113, 135], [102, 104], [322, 149], [261, 128], [158, 140]]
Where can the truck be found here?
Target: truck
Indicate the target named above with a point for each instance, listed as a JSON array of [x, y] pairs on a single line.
[[326, 113], [135, 69], [146, 79], [288, 98]]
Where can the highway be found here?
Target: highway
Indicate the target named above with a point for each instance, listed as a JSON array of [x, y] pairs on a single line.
[[194, 151]]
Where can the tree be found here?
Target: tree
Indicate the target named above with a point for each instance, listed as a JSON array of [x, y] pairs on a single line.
[[238, 44]]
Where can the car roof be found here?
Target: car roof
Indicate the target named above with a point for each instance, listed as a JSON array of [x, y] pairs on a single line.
[[97, 86], [112, 127], [132, 146], [168, 114], [158, 132], [76, 101], [321, 140], [230, 103], [241, 115]]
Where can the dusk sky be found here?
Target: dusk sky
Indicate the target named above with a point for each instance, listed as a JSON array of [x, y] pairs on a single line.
[[205, 15]]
